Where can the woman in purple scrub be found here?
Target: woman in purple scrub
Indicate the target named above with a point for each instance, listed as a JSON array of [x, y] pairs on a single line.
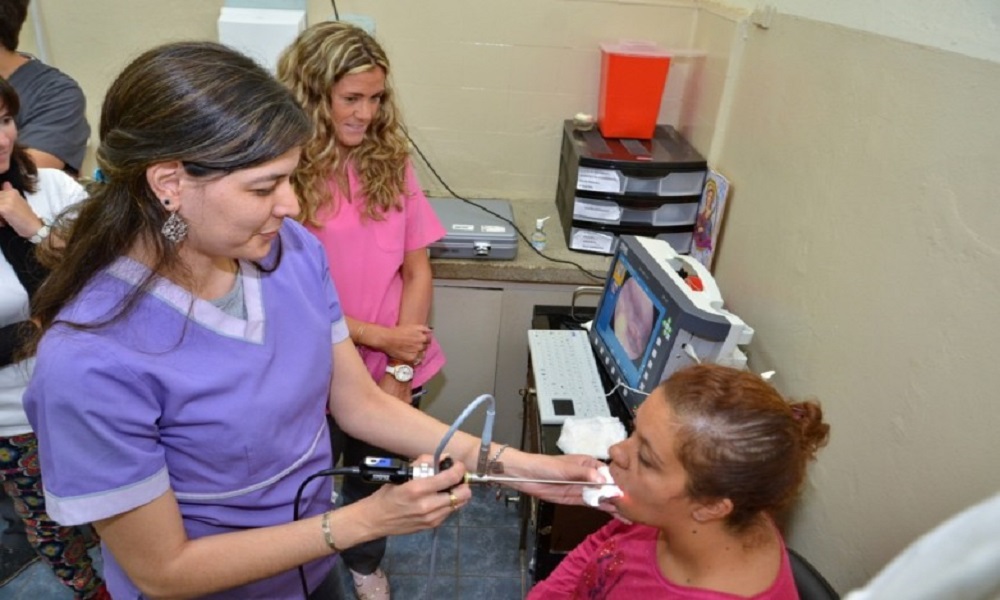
[[191, 342]]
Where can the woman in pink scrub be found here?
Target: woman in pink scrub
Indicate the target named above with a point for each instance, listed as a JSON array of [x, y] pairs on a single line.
[[360, 196], [191, 343]]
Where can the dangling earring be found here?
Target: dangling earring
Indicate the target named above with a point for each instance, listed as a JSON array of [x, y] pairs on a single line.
[[174, 228]]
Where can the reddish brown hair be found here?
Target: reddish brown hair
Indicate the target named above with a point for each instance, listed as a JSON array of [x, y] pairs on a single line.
[[739, 439]]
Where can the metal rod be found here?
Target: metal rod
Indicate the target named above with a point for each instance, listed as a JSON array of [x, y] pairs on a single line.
[[473, 478]]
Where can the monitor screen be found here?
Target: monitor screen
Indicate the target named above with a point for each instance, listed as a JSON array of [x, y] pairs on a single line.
[[658, 312], [628, 315]]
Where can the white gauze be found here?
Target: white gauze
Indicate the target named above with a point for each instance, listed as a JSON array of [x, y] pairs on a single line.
[[593, 495]]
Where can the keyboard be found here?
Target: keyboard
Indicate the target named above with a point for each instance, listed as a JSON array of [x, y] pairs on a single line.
[[567, 383]]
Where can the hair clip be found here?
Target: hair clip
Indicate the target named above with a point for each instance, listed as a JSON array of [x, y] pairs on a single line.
[[99, 176]]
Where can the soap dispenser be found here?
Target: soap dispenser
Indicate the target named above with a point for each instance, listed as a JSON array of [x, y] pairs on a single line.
[[538, 236]]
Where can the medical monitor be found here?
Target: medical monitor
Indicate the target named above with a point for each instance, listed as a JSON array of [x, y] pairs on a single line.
[[660, 311]]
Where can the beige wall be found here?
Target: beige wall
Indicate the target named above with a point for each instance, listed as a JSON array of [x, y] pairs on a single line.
[[862, 242], [968, 27], [484, 86]]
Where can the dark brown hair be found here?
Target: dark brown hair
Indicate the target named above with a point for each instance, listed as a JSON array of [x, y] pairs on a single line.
[[207, 106], [22, 174], [739, 439], [12, 16]]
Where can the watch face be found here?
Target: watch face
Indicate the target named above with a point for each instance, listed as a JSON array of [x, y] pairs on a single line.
[[403, 373]]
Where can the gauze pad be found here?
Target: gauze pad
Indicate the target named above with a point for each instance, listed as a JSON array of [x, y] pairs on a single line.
[[593, 495], [592, 436]]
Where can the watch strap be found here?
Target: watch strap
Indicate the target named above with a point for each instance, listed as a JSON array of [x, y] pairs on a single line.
[[41, 234], [392, 369]]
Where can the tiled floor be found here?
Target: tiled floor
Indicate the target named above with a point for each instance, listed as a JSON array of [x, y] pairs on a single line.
[[477, 555], [477, 559], [38, 583]]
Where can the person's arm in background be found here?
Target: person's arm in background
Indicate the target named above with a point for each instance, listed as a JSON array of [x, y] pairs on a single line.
[[409, 338], [411, 333], [45, 160], [418, 290], [20, 255], [402, 342]]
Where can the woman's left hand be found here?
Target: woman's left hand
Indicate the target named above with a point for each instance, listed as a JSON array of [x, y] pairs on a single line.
[[407, 343], [565, 467], [15, 212]]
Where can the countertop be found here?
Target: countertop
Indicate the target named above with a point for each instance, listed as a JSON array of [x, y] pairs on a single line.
[[528, 266]]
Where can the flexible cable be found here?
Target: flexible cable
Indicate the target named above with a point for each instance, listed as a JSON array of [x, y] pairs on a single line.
[[484, 442], [484, 448], [298, 499], [487, 435]]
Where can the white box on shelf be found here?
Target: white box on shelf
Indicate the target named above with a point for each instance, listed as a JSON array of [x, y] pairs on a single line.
[[260, 33]]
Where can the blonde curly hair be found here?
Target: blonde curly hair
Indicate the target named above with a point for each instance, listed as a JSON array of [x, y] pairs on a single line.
[[319, 58]]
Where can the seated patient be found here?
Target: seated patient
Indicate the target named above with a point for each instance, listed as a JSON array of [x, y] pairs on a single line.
[[716, 453]]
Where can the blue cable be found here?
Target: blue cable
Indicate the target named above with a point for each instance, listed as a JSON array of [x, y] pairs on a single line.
[[484, 449]]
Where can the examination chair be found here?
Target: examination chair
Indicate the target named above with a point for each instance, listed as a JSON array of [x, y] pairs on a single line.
[[808, 581]]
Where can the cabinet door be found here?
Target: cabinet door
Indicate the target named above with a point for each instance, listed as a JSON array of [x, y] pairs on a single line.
[[466, 323]]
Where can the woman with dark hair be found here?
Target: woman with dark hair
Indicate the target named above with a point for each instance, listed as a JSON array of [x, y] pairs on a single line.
[[192, 341], [716, 454], [30, 199]]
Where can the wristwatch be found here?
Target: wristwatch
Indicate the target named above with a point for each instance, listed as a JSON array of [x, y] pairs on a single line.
[[41, 234], [402, 372]]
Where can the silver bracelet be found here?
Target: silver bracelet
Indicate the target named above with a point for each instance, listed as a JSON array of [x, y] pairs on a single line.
[[495, 467], [327, 534]]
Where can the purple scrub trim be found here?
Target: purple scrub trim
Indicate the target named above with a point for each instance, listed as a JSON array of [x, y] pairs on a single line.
[[81, 509]]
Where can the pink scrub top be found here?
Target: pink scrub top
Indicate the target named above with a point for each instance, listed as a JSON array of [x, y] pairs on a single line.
[[366, 258]]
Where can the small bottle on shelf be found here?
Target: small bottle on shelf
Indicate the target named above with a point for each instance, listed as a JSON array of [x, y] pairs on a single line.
[[538, 236]]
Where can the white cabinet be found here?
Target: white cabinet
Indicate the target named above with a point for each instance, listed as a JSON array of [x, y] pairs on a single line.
[[466, 323], [483, 328]]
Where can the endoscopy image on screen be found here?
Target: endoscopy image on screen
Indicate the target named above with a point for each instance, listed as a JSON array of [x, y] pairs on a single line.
[[633, 319]]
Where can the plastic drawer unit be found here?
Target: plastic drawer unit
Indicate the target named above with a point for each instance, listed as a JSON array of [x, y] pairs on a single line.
[[603, 239], [629, 210], [608, 187]]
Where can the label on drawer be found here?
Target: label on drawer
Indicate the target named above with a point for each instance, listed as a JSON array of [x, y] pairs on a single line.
[[594, 211], [598, 180], [593, 241]]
